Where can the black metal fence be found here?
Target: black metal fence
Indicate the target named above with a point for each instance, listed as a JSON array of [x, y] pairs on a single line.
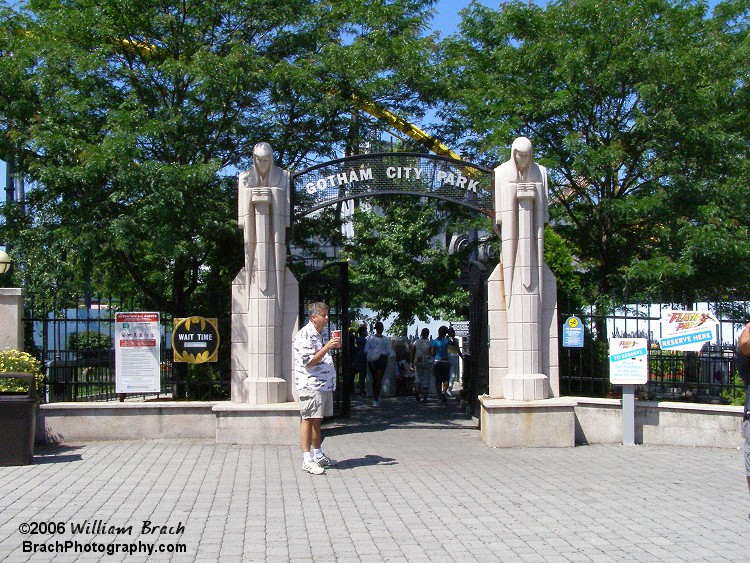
[[708, 376], [74, 341]]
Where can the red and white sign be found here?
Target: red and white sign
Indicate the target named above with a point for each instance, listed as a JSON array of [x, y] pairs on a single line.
[[137, 353]]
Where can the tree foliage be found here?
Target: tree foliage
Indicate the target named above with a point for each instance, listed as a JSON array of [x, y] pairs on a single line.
[[399, 264], [132, 118], [635, 109]]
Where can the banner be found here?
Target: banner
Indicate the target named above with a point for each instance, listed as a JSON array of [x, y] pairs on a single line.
[[687, 330]]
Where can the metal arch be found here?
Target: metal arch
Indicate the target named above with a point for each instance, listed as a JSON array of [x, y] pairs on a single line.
[[399, 173], [393, 192], [393, 154]]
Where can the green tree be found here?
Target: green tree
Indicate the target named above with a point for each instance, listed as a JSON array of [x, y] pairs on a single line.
[[626, 103], [399, 263], [133, 117]]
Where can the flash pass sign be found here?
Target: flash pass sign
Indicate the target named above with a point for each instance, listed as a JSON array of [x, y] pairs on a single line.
[[195, 340]]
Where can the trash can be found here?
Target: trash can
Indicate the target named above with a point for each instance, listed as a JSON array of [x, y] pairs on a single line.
[[17, 422]]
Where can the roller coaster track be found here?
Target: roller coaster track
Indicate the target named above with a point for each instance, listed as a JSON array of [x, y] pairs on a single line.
[[368, 106], [403, 126]]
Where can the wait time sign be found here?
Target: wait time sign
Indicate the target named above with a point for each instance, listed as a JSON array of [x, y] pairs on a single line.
[[195, 340]]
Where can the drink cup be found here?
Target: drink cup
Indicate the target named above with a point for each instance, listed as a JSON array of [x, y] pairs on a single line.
[[336, 334]]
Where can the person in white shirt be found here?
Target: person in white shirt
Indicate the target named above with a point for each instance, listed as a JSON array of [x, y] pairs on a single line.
[[378, 348], [315, 377], [421, 362]]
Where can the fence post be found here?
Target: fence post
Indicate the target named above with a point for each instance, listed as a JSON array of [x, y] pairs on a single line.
[[11, 311]]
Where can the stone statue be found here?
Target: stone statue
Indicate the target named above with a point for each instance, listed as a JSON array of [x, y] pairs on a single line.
[[263, 214], [521, 211], [258, 291]]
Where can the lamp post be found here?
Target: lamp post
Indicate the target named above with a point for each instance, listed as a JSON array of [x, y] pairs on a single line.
[[4, 262]]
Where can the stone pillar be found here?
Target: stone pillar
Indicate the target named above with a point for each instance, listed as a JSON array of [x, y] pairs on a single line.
[[11, 313]]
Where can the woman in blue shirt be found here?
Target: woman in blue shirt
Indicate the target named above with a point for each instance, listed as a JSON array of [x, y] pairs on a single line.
[[441, 368]]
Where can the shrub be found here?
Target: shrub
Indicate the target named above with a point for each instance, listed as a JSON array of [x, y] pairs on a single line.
[[17, 361], [89, 340], [90, 344]]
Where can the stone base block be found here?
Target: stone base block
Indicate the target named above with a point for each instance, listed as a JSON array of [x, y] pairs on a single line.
[[264, 391], [525, 387], [549, 423], [11, 311], [59, 423], [275, 424]]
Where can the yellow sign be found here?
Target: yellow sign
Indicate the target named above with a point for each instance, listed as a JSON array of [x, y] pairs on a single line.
[[195, 340]]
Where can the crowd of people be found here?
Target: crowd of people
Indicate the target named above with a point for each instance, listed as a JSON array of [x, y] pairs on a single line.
[[422, 361]]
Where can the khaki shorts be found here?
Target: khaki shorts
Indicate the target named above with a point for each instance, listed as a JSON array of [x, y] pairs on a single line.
[[315, 404]]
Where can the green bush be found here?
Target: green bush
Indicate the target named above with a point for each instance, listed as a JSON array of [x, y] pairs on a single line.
[[89, 340], [734, 394], [17, 361], [90, 344]]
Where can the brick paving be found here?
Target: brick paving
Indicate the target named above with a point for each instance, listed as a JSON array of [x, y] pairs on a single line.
[[414, 483]]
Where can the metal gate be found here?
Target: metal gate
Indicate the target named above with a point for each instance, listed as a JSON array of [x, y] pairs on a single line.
[[330, 284], [476, 380]]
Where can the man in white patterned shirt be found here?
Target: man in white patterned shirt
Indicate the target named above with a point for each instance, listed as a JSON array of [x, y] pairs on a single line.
[[315, 377]]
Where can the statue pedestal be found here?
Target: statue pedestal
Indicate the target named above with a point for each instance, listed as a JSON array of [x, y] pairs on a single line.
[[525, 387], [253, 358], [549, 423], [265, 390]]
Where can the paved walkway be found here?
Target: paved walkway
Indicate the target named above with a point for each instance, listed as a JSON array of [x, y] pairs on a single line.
[[414, 483]]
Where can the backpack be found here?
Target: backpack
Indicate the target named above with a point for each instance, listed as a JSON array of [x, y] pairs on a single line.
[[422, 355]]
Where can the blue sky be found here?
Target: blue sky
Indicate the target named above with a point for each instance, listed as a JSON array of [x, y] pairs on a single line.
[[446, 18]]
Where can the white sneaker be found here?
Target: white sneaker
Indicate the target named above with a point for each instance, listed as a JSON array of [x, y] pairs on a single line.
[[325, 461], [375, 403], [312, 467]]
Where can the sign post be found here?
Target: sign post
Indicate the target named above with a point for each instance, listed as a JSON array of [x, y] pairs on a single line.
[[137, 353], [628, 366]]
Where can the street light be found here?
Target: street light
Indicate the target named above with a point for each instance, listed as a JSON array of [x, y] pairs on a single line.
[[4, 262]]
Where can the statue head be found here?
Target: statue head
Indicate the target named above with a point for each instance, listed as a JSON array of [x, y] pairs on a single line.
[[262, 159], [522, 152]]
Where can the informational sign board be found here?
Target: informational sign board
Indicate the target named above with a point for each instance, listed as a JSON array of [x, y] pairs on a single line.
[[137, 353], [687, 330], [461, 328], [573, 333], [195, 340], [628, 361]]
